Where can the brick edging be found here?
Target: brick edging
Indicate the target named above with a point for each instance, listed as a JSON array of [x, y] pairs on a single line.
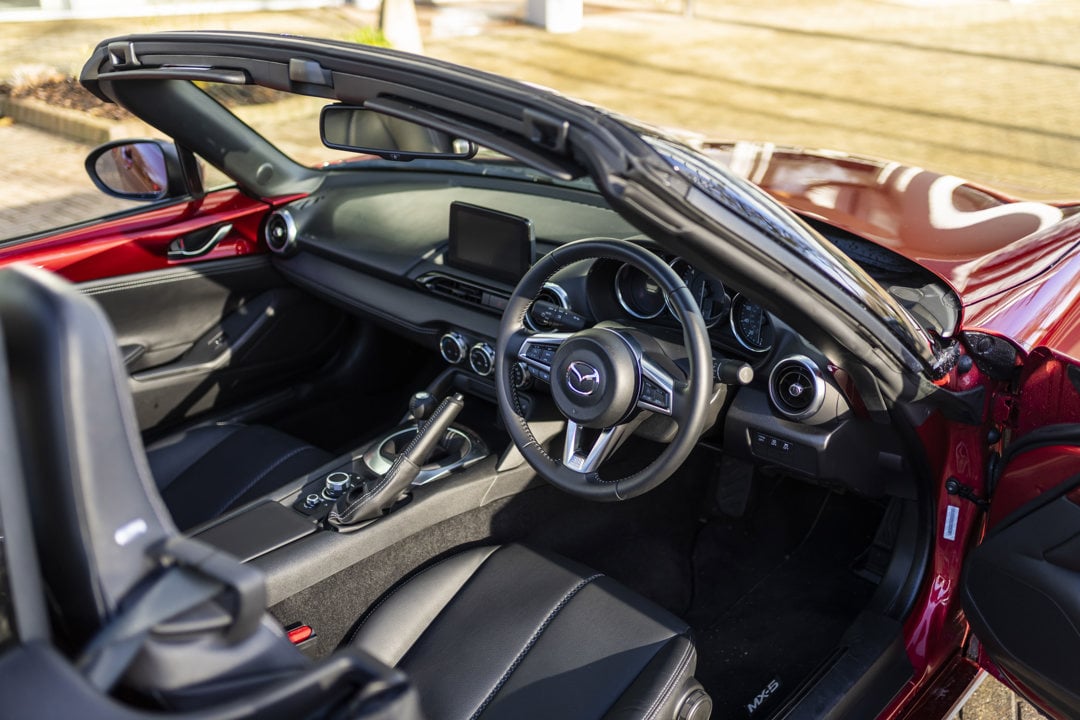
[[72, 124]]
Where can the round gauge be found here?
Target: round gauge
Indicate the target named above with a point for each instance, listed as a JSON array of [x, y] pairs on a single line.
[[639, 294], [751, 324], [709, 292]]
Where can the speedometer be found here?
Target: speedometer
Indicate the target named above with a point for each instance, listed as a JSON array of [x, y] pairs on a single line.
[[751, 324]]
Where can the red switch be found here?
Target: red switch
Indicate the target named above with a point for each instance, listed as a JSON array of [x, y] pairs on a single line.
[[299, 634]]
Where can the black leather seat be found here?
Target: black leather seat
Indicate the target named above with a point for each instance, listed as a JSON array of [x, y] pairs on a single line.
[[209, 470], [512, 633], [493, 633]]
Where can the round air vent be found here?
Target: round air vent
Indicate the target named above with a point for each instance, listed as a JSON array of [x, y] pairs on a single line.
[[796, 387], [280, 233], [553, 294]]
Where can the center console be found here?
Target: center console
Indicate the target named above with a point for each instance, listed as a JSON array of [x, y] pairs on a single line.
[[369, 471], [361, 486]]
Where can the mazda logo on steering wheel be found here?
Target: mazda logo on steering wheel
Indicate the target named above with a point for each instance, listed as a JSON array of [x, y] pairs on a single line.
[[582, 378]]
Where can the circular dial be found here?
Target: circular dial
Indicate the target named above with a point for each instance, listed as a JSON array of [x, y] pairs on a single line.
[[482, 359], [751, 324], [709, 293], [452, 347], [638, 293]]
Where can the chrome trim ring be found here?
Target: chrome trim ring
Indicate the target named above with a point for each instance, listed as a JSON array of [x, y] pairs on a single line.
[[289, 243], [622, 301], [734, 328], [459, 342], [484, 349], [817, 388]]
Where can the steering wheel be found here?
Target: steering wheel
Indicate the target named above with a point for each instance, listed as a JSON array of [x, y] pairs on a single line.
[[605, 380]]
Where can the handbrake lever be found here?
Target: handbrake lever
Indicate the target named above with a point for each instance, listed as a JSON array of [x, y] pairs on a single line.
[[373, 498]]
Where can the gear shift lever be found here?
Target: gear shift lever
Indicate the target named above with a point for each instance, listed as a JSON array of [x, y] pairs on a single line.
[[372, 498], [421, 405]]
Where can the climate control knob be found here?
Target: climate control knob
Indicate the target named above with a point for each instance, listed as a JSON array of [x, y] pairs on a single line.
[[482, 359], [452, 347]]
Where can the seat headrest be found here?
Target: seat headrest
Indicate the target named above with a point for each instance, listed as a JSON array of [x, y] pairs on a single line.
[[94, 508]]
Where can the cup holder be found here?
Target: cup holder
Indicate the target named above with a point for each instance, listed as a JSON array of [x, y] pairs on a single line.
[[457, 449]]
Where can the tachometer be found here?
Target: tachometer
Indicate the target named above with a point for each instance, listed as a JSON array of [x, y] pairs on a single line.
[[751, 324], [709, 293], [638, 293]]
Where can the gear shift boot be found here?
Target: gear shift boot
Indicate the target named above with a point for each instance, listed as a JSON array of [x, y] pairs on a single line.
[[458, 447]]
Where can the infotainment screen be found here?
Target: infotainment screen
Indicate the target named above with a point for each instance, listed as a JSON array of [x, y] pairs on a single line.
[[495, 244]]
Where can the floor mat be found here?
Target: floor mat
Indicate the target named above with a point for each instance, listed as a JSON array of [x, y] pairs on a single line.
[[774, 592], [645, 543]]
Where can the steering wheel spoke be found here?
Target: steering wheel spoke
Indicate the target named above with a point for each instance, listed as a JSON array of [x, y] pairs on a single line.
[[538, 351], [658, 389], [586, 462]]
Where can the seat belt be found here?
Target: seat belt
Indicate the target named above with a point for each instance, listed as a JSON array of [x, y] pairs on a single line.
[[192, 574]]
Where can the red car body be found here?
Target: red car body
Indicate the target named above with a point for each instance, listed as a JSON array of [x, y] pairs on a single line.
[[1014, 264]]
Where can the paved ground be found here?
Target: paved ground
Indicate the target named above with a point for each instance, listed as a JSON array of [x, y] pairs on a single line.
[[981, 88]]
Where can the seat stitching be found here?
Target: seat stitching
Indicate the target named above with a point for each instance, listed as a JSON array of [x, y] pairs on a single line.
[[368, 615], [670, 685], [532, 641], [260, 476]]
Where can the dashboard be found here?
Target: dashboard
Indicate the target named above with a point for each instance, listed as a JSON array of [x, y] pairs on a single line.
[[378, 246]]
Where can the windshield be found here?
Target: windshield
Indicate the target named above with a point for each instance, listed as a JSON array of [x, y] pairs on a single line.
[[291, 123]]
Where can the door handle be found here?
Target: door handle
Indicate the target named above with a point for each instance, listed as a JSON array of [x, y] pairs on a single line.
[[198, 243]]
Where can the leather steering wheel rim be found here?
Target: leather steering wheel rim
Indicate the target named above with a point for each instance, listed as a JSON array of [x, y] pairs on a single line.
[[689, 395]]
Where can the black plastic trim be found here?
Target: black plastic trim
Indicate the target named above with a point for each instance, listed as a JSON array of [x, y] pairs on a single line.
[[869, 668]]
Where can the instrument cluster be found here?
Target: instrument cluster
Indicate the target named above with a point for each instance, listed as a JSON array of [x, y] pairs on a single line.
[[746, 321]]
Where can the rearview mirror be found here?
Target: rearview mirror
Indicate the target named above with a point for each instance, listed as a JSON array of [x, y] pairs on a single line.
[[366, 131], [136, 169]]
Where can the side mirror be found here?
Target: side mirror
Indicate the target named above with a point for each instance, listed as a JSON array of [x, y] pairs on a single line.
[[137, 169], [344, 127]]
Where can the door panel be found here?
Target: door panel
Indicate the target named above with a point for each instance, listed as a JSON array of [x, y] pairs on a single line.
[[1021, 585], [259, 347], [207, 336], [202, 318], [158, 316], [1021, 593], [139, 242]]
